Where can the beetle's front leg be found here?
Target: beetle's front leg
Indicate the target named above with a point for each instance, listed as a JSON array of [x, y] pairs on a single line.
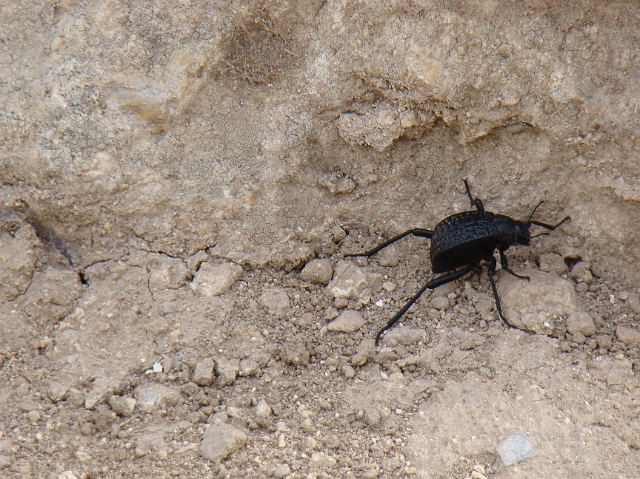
[[505, 266], [492, 271]]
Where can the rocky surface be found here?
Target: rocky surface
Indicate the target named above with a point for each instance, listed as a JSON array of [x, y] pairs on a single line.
[[180, 180]]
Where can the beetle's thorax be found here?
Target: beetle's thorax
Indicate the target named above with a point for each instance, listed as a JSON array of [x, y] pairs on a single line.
[[511, 231]]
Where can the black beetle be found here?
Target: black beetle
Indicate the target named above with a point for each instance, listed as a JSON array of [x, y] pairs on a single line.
[[464, 240]]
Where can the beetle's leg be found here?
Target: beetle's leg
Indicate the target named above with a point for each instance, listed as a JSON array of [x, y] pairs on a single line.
[[415, 232], [505, 266], [492, 271], [444, 279], [549, 227], [477, 202]]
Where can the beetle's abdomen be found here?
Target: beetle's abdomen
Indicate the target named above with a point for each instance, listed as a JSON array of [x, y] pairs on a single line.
[[463, 239]]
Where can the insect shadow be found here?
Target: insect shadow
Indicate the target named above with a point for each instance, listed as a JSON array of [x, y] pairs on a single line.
[[461, 241]]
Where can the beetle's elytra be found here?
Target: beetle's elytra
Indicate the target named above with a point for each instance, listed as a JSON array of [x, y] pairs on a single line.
[[461, 241]]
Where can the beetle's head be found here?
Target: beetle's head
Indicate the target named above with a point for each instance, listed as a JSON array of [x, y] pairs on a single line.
[[522, 232]]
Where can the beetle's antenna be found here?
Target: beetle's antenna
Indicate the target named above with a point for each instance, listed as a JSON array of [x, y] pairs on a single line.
[[534, 210], [541, 234]]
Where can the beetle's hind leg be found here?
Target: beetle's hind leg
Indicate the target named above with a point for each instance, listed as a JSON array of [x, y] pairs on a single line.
[[422, 233], [434, 283]]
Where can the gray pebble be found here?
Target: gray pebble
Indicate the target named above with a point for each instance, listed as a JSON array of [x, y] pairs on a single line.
[[533, 305], [386, 355], [57, 391], [514, 448], [337, 234], [75, 398], [189, 389], [372, 416], [389, 287], [364, 351], [577, 338], [34, 416]]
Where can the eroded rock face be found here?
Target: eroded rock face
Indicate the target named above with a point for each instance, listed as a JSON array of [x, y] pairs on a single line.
[[17, 261], [224, 141]]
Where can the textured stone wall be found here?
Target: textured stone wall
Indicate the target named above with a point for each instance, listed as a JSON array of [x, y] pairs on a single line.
[[256, 127]]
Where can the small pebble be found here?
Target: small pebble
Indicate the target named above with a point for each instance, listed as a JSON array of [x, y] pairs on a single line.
[[203, 375], [440, 303], [553, 263], [341, 303], [220, 440], [389, 287], [122, 406], [348, 371], [317, 271], [578, 338], [306, 320], [581, 322], [604, 341], [628, 336], [34, 416], [263, 410], [581, 272], [214, 280], [296, 354], [388, 258], [227, 370], [337, 234], [322, 461], [276, 300], [348, 322], [249, 367], [281, 471]]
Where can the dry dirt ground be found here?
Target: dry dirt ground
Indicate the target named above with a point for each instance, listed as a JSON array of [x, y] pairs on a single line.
[[180, 182]]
